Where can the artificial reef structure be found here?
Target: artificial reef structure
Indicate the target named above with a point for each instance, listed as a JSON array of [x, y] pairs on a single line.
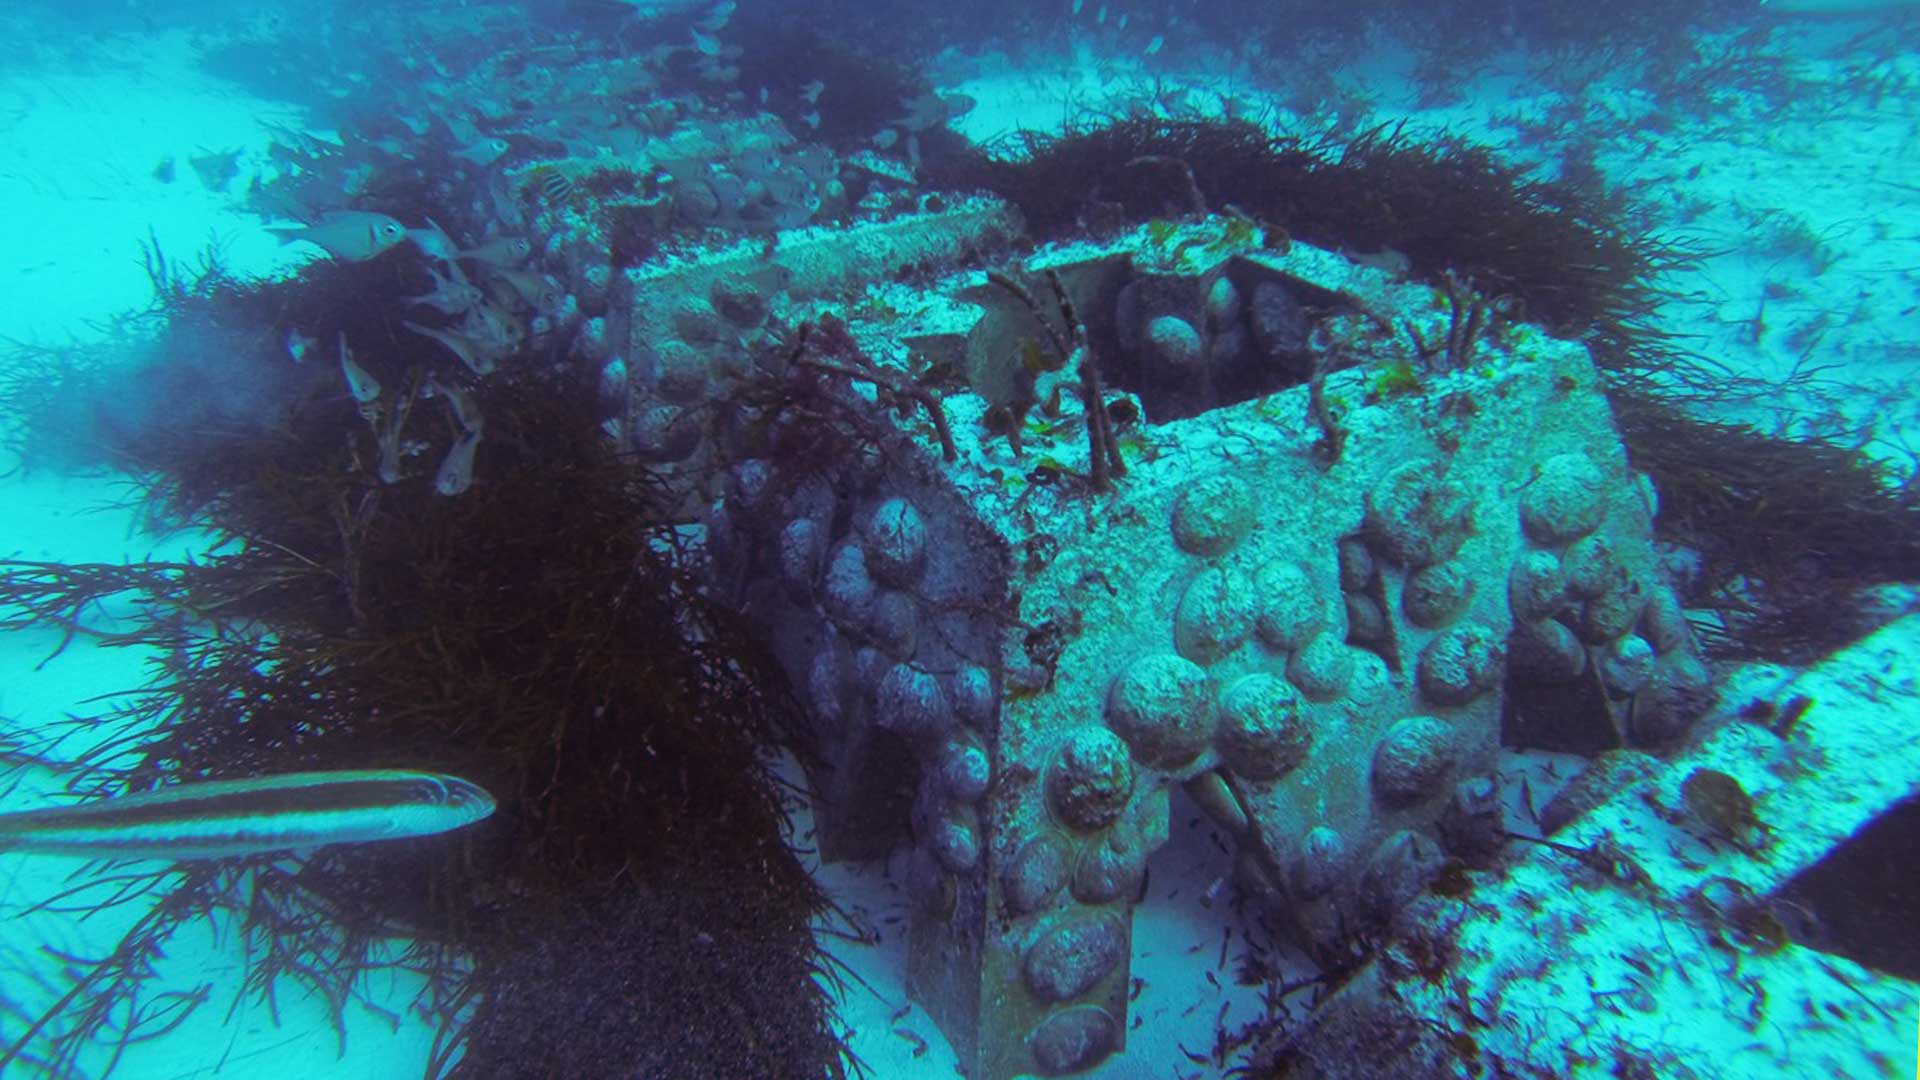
[[1314, 607], [1193, 503], [1011, 502]]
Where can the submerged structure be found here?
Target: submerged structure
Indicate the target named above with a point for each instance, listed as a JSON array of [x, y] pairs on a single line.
[[1041, 538], [1213, 510], [1048, 538]]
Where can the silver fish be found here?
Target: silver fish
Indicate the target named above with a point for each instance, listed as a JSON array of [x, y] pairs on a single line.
[[299, 345], [360, 383], [456, 472], [532, 288], [506, 208], [477, 358], [483, 152], [507, 251], [386, 429], [434, 242], [223, 818], [452, 293], [466, 411], [460, 126], [348, 235], [493, 329]]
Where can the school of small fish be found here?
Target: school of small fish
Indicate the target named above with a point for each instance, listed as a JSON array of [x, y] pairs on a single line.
[[487, 323]]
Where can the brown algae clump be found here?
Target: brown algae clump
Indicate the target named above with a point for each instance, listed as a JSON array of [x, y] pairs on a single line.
[[1718, 802]]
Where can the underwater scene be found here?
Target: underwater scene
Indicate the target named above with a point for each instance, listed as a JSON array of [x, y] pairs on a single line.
[[806, 540]]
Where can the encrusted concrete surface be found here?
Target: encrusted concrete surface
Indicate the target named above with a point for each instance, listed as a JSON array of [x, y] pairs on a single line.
[[1671, 956], [1316, 652], [1313, 608]]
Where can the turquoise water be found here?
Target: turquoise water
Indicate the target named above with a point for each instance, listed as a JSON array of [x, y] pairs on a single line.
[[1360, 283]]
